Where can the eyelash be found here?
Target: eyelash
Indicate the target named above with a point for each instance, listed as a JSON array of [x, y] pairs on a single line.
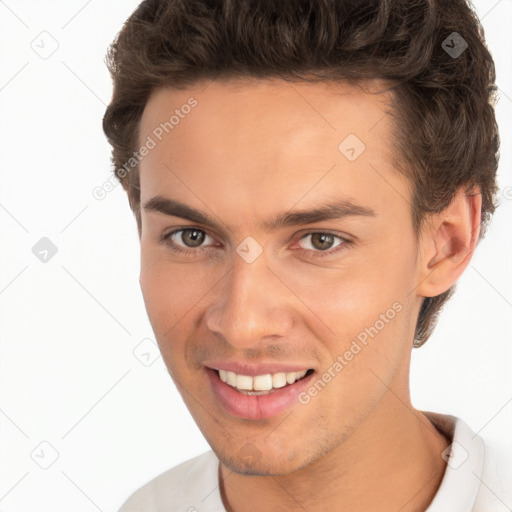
[[166, 239]]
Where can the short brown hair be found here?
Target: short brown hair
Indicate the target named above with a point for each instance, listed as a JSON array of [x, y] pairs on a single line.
[[444, 101]]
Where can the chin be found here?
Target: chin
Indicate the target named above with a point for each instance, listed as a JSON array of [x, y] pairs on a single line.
[[251, 461], [259, 468]]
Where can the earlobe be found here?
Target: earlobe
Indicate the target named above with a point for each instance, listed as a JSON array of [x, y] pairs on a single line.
[[448, 243]]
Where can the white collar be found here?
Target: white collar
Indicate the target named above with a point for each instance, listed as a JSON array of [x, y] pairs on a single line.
[[465, 462]]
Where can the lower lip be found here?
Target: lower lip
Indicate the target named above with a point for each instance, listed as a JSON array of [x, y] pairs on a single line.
[[256, 407]]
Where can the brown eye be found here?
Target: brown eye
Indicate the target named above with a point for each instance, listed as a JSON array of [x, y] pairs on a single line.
[[322, 241], [186, 238], [192, 237]]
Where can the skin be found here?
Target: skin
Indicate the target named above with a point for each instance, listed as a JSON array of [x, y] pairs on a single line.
[[250, 150]]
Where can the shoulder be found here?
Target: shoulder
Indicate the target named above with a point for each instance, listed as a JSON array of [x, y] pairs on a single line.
[[495, 492], [190, 486], [477, 475]]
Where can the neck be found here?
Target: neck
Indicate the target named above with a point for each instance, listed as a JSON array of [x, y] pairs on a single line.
[[391, 462]]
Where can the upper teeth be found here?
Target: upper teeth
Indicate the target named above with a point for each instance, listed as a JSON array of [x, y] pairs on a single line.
[[260, 382]]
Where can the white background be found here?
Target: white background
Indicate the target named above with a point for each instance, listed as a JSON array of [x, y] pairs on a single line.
[[69, 327]]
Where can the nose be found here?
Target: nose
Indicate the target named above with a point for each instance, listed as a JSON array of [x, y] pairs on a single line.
[[251, 306]]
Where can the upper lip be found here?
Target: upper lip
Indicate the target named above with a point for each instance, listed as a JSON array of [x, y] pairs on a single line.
[[253, 369]]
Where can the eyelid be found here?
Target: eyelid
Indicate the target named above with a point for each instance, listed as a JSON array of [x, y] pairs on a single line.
[[309, 231]]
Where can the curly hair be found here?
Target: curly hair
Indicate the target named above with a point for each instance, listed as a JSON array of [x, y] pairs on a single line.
[[447, 135]]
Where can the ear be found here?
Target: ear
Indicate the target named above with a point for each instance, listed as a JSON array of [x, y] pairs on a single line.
[[447, 243]]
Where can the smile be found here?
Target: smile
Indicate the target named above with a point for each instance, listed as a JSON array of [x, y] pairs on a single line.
[[258, 396], [260, 384]]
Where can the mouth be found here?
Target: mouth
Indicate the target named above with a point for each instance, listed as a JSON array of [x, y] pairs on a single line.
[[261, 384], [260, 396]]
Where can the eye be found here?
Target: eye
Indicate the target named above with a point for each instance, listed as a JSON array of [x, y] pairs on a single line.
[[320, 242], [190, 238], [189, 241]]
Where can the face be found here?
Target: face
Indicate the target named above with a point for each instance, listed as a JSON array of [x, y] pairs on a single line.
[[277, 261]]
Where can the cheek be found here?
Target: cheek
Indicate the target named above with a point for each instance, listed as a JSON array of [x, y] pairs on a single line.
[[359, 312], [169, 288], [171, 292], [349, 295]]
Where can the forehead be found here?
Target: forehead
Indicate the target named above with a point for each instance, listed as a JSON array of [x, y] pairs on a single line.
[[271, 106], [253, 141]]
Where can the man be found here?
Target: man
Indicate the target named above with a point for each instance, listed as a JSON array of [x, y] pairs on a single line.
[[309, 180]]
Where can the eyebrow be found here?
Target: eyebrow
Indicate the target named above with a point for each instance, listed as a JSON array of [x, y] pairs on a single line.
[[334, 210]]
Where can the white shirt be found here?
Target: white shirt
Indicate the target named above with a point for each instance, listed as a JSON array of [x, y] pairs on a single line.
[[470, 482]]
